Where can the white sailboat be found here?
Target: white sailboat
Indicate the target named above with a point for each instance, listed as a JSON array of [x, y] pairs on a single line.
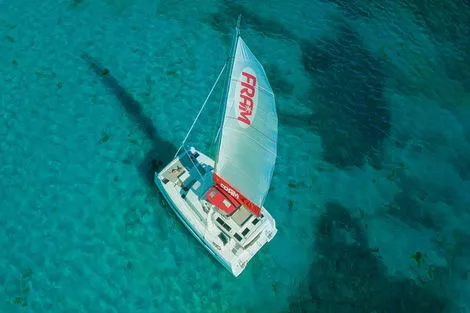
[[221, 201]]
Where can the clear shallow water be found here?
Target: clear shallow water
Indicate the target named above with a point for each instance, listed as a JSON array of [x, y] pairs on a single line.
[[370, 190]]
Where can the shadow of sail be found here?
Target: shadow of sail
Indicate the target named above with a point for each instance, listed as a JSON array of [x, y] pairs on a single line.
[[162, 150]]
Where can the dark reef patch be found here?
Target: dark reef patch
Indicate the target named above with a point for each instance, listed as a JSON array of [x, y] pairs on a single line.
[[354, 116], [225, 19], [347, 275], [346, 89], [410, 208], [448, 22], [353, 8], [277, 79]]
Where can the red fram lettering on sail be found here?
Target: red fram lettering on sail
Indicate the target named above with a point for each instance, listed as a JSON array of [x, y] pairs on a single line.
[[221, 183], [247, 93]]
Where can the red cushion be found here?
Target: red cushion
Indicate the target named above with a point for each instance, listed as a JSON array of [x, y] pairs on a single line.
[[220, 200]]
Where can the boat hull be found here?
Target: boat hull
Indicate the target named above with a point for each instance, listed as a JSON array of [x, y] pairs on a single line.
[[208, 246], [196, 227]]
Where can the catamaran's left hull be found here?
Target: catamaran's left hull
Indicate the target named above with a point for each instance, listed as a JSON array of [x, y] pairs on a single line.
[[175, 206]]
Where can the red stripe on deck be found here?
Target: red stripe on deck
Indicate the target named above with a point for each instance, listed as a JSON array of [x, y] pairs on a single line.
[[235, 194]]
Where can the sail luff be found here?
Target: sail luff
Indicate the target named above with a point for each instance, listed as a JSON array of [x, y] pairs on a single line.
[[231, 60]]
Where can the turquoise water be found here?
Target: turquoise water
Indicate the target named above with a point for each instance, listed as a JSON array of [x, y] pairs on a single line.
[[371, 188]]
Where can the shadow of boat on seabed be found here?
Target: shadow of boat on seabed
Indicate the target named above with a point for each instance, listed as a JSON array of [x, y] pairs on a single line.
[[162, 151]]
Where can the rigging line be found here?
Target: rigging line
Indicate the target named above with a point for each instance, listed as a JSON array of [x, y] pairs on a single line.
[[200, 111]]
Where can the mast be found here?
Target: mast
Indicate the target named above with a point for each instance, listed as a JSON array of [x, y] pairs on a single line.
[[236, 35]]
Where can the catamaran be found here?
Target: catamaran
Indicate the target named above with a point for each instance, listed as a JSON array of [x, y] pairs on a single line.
[[221, 201]]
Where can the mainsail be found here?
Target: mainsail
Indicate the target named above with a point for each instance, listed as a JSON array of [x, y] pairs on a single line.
[[248, 141]]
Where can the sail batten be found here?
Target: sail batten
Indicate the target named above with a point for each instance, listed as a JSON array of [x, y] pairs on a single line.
[[247, 148], [261, 143]]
